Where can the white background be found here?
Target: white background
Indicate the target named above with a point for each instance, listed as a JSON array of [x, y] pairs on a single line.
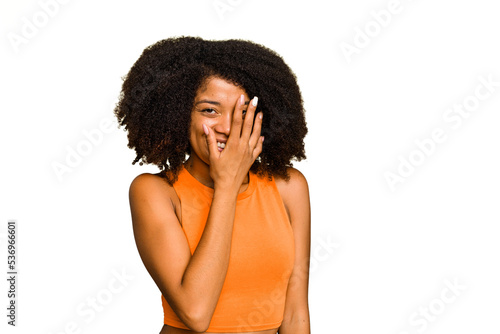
[[380, 256]]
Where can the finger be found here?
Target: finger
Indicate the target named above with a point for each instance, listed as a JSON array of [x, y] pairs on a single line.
[[211, 141], [237, 119], [256, 130], [248, 123], [258, 148]]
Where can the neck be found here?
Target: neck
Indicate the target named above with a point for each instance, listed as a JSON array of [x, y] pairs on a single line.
[[201, 171]]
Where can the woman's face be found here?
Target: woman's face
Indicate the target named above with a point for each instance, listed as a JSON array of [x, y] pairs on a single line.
[[213, 106]]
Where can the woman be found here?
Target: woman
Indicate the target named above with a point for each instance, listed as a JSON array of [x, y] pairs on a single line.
[[224, 228]]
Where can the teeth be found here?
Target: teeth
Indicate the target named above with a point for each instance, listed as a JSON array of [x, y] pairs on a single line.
[[221, 145]]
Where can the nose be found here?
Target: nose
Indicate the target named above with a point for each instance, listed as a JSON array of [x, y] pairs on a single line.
[[223, 124]]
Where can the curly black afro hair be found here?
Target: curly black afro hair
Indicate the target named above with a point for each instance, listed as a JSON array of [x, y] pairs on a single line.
[[158, 94]]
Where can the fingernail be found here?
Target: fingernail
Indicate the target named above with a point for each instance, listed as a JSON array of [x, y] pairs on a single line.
[[260, 115], [242, 99], [262, 138], [205, 129], [254, 101]]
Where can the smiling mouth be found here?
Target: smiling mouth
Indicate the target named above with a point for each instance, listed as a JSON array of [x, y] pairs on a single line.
[[221, 145]]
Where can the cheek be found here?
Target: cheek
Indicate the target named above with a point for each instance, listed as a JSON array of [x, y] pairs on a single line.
[[197, 136], [193, 127]]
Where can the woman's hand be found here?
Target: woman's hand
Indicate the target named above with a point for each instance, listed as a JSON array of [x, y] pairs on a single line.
[[229, 168]]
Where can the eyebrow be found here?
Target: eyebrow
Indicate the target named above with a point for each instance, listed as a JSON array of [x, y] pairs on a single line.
[[214, 102], [208, 101]]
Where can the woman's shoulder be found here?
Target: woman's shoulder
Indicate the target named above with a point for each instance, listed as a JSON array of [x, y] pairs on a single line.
[[294, 191], [296, 181], [149, 186], [148, 180]]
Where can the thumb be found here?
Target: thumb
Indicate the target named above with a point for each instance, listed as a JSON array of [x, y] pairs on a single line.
[[211, 141]]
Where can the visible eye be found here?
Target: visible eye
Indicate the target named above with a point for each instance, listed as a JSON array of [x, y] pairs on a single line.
[[244, 112], [209, 111]]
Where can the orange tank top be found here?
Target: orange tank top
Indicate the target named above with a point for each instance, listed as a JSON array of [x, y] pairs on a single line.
[[261, 258]]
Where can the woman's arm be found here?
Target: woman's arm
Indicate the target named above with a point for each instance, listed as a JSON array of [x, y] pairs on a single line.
[[295, 195], [192, 284]]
